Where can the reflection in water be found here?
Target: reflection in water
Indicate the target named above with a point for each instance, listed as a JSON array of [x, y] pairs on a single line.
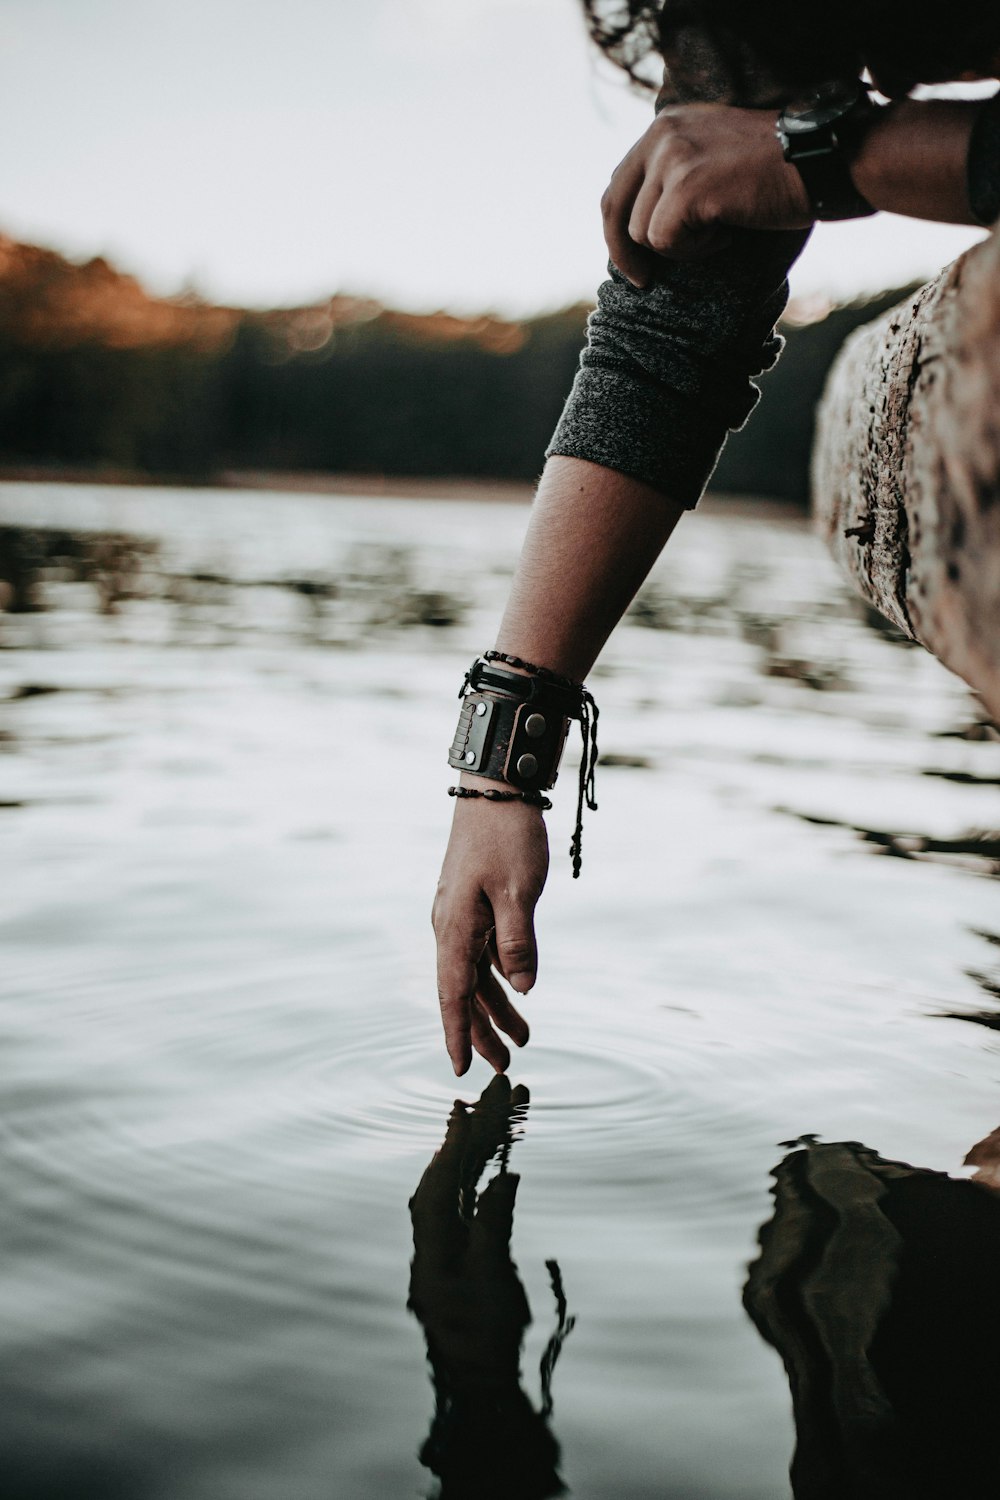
[[367, 588], [879, 1285], [977, 851], [184, 720], [30, 556], [989, 983], [487, 1438]]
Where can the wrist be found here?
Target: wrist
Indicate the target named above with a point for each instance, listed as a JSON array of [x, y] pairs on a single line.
[[913, 158], [820, 135], [511, 732]]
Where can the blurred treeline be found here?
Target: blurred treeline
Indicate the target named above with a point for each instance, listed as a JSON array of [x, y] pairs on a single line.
[[94, 373]]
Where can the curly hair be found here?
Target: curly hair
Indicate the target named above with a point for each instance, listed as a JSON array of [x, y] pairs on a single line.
[[804, 45]]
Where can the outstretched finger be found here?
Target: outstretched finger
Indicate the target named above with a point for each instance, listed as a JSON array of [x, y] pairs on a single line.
[[494, 997], [485, 1040], [432, 1207], [489, 1131], [489, 1238], [459, 948]]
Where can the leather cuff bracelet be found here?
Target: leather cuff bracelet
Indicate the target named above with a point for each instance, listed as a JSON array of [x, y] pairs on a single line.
[[512, 728]]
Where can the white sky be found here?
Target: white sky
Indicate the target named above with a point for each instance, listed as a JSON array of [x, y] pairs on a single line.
[[428, 152]]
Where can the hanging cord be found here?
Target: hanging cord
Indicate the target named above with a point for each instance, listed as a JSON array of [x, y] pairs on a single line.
[[564, 1327], [589, 715]]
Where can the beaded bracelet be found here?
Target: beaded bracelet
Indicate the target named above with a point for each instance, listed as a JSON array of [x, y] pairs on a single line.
[[528, 666], [492, 794]]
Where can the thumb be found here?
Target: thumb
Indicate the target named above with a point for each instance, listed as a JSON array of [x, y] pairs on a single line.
[[515, 946]]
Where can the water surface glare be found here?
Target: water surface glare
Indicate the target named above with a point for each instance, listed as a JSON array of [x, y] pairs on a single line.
[[251, 1245]]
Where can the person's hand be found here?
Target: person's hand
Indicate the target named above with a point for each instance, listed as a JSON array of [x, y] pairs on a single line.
[[699, 170], [464, 1286], [493, 874], [487, 1437]]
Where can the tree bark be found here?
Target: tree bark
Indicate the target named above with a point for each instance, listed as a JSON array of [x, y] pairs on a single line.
[[906, 466]]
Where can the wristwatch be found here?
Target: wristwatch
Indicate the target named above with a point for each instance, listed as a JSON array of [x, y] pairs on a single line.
[[819, 136]]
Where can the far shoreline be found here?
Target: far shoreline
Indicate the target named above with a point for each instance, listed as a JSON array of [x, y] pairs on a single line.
[[361, 486], [375, 486]]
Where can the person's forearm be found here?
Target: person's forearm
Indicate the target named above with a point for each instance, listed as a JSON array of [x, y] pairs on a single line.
[[593, 537], [913, 160]]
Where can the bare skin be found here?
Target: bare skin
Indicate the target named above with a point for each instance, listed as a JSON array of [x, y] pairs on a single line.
[[697, 172], [593, 537]]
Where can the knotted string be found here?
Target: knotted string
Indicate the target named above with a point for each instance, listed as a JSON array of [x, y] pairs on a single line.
[[589, 715]]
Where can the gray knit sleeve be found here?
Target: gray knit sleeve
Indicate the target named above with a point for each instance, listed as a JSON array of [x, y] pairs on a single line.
[[984, 163], [666, 372]]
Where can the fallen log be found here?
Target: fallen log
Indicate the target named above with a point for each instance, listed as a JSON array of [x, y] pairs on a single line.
[[906, 466]]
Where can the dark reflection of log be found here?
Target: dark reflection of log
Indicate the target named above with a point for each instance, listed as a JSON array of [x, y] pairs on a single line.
[[879, 1285], [487, 1440]]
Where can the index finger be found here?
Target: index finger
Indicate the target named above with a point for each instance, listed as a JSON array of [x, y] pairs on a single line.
[[616, 209], [460, 945]]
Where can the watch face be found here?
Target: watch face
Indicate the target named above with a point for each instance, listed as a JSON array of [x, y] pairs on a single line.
[[806, 121], [827, 104]]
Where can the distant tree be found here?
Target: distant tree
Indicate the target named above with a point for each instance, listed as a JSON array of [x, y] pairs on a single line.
[[95, 372]]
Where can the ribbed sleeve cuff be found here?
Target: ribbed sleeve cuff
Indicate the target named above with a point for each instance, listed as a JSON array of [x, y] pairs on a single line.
[[667, 371], [650, 434]]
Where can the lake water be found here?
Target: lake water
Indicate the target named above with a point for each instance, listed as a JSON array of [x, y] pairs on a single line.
[[224, 727]]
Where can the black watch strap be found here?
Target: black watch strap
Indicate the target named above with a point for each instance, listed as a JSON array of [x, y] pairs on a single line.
[[821, 144], [831, 190], [984, 162]]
